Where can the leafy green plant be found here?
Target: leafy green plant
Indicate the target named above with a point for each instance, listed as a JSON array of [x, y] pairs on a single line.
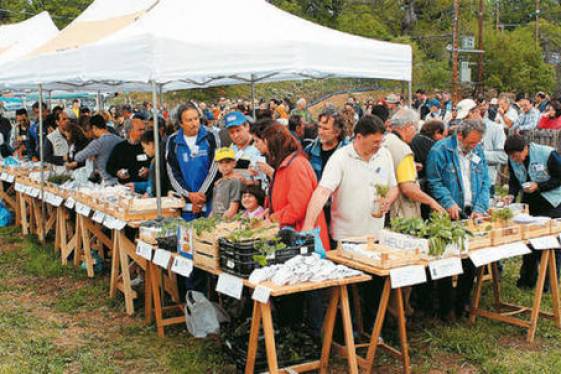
[[59, 179], [266, 248], [501, 191], [382, 190], [501, 215], [201, 225]]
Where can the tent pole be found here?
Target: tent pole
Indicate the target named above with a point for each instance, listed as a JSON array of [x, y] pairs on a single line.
[[99, 102], [410, 93], [157, 148], [43, 210], [161, 98], [49, 100], [253, 94]]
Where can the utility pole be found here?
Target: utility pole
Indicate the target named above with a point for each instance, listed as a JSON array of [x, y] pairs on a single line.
[[497, 13], [480, 73], [455, 52], [537, 23]]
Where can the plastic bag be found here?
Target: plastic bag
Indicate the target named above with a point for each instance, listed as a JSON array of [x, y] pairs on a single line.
[[200, 314], [6, 216]]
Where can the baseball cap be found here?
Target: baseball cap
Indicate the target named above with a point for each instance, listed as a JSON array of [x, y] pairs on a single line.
[[234, 119], [224, 153], [392, 99], [464, 107]]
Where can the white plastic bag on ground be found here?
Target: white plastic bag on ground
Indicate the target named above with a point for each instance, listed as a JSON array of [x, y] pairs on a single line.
[[200, 315]]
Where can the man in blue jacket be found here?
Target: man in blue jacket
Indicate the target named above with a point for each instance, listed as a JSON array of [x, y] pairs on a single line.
[[457, 176]]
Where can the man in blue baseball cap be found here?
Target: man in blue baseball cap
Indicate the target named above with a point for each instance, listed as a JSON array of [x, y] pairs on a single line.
[[237, 125]]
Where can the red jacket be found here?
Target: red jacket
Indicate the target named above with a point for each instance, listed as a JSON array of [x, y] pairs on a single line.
[[548, 123], [292, 189]]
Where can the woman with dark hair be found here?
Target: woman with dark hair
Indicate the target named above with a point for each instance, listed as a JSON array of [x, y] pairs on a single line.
[[293, 183], [551, 119]]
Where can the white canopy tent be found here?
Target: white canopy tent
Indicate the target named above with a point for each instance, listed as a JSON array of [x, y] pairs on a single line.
[[19, 39], [250, 41], [171, 46]]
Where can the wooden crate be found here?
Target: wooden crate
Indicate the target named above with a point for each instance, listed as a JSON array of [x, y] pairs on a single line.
[[555, 227], [206, 253], [509, 233], [532, 230], [388, 258]]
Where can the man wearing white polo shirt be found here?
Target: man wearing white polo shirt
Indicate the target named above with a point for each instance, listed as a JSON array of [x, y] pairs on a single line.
[[351, 176]]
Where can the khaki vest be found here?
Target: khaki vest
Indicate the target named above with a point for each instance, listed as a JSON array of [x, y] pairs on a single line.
[[403, 206]]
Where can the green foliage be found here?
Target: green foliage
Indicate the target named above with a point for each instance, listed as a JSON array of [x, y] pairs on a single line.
[[360, 20], [513, 62]]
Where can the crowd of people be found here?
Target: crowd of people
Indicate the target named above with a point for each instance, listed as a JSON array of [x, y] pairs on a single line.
[[285, 165]]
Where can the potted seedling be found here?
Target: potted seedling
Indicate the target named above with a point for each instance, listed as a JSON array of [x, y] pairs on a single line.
[[379, 200]]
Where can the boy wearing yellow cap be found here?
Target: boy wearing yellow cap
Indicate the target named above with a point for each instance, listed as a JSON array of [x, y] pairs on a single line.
[[227, 190]]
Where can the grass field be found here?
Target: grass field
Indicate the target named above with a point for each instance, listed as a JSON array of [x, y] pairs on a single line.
[[54, 319]]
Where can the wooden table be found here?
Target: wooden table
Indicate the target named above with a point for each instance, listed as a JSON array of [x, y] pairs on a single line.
[[7, 196], [505, 312], [375, 341]]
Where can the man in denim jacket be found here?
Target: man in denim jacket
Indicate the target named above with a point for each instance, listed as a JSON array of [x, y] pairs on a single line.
[[457, 175]]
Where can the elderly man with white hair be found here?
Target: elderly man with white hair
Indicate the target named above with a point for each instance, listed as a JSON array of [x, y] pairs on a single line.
[[404, 128], [302, 111]]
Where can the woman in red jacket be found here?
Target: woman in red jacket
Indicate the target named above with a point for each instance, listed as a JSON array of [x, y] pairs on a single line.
[[551, 119], [293, 182]]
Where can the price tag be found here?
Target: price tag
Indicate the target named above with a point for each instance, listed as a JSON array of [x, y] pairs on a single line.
[[303, 250], [445, 268], [408, 276], [144, 250], [35, 192], [183, 266], [27, 190], [109, 222], [4, 176], [486, 256], [56, 200], [230, 285], [261, 294], [118, 224], [161, 258], [70, 203], [11, 178], [18, 187], [83, 209], [514, 249], [98, 216], [546, 242]]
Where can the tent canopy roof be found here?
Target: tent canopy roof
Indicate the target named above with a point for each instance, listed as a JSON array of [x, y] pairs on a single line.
[[249, 41]]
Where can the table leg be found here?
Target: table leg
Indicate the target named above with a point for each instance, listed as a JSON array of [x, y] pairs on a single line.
[[328, 326], [125, 275], [474, 307], [378, 324], [496, 284], [148, 294], [402, 324], [86, 246], [17, 209], [115, 259], [544, 259], [348, 330], [554, 289], [23, 215], [155, 283], [357, 309], [269, 333], [253, 338], [78, 236]]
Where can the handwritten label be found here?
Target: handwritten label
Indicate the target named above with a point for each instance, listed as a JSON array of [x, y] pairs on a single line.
[[11, 178], [408, 276], [144, 250], [485, 256], [19, 187], [400, 241], [70, 203], [4, 176], [445, 268], [514, 249], [182, 266], [118, 224], [82, 209], [34, 192], [546, 242], [261, 294], [161, 258], [56, 200], [230, 285], [98, 216]]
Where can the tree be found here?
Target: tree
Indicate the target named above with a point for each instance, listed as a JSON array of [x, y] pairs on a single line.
[[61, 11], [359, 20]]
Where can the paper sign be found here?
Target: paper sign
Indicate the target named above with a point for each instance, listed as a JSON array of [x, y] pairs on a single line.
[[514, 249], [230, 285], [261, 294], [70, 203], [408, 276], [445, 268], [11, 178], [4, 176], [118, 224], [98, 216], [18, 187], [27, 190], [161, 258], [35, 192], [485, 256], [144, 250], [83, 209], [183, 266], [56, 200], [109, 222], [546, 242]]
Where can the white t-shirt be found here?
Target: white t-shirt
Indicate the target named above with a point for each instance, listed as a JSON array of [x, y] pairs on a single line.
[[465, 167], [512, 115], [191, 142], [353, 182]]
